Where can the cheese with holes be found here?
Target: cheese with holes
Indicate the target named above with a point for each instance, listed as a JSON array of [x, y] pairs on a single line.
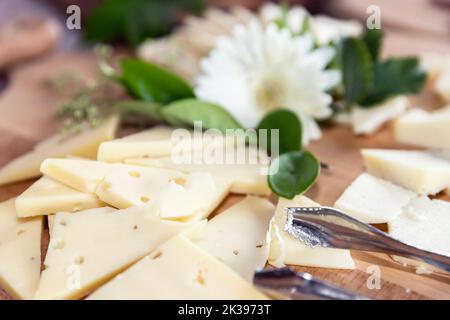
[[175, 194], [245, 178], [296, 252], [84, 144], [20, 252], [88, 248], [47, 196], [420, 171], [82, 175], [178, 270], [424, 223], [373, 200], [238, 236], [431, 130], [369, 120]]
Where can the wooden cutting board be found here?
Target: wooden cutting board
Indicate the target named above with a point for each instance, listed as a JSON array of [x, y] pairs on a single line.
[[27, 106]]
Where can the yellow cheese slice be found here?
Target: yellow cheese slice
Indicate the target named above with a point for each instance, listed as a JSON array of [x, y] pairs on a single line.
[[175, 194], [244, 178], [430, 130], [47, 196], [79, 174], [419, 171], [238, 236], [20, 252], [295, 252], [373, 200], [178, 270], [89, 247], [84, 144]]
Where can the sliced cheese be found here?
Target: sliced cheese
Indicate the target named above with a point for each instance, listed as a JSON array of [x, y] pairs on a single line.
[[424, 223], [175, 194], [84, 144], [431, 130], [238, 236], [373, 200], [295, 252], [20, 252], [244, 178], [89, 247], [369, 120], [79, 174], [47, 196], [178, 270], [441, 84], [419, 171]]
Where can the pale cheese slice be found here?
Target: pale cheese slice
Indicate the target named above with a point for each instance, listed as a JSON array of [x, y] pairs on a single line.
[[424, 223], [175, 194], [89, 247], [47, 196], [441, 84], [20, 252], [82, 175], [373, 200], [418, 127], [238, 236], [368, 120], [244, 178], [295, 252], [178, 270], [419, 171], [84, 144]]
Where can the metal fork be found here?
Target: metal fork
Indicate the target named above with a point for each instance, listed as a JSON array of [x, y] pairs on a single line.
[[331, 228]]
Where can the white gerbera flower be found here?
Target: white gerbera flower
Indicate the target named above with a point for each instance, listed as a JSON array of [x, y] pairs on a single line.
[[258, 70]]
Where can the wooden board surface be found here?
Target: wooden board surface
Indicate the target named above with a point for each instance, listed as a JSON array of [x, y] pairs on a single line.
[[27, 106]]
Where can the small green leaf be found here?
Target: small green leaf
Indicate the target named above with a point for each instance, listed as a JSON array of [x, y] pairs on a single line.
[[357, 69], [393, 77], [150, 82], [374, 40], [293, 173], [290, 130], [148, 109], [187, 111]]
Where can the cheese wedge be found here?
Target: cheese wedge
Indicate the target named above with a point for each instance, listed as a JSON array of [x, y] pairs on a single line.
[[84, 144], [238, 236], [373, 200], [47, 196], [175, 194], [369, 120], [244, 178], [430, 130], [79, 174], [297, 253], [419, 171], [89, 247], [20, 252], [424, 224], [178, 270]]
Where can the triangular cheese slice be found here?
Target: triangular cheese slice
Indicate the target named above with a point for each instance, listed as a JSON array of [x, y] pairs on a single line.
[[295, 252], [84, 144], [88, 248], [178, 270], [47, 196], [175, 194], [20, 252], [238, 236]]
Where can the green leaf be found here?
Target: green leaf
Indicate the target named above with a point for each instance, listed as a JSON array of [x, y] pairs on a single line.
[[148, 109], [290, 130], [356, 69], [187, 111], [150, 82], [293, 173], [136, 20], [393, 77], [373, 39]]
